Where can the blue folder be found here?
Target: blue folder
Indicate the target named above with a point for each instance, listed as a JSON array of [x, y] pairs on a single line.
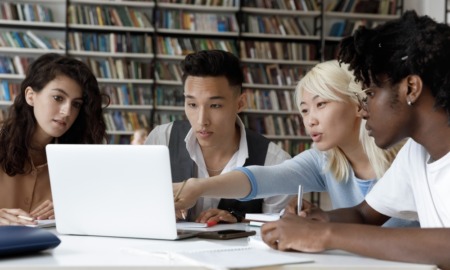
[[18, 240]]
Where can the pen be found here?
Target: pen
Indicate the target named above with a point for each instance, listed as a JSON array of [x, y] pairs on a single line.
[[26, 218], [179, 191], [299, 199]]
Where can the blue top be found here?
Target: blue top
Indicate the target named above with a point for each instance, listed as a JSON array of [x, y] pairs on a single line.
[[307, 169]]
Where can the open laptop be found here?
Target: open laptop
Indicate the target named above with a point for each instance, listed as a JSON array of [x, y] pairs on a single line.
[[113, 190]]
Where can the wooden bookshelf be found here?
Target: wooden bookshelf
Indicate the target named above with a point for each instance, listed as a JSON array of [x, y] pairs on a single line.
[[134, 48]]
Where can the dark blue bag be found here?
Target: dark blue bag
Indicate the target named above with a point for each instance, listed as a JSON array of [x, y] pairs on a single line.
[[18, 240]]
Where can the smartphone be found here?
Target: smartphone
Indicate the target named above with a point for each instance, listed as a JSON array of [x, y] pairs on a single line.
[[226, 234]]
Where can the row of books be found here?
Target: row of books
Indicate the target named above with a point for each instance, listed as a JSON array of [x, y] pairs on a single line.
[[274, 100], [28, 39], [120, 68], [347, 27], [14, 65], [109, 16], [119, 139], [110, 42], [273, 74], [216, 3], [276, 25], [277, 50], [25, 12], [8, 90], [168, 71], [301, 5], [184, 46], [293, 147], [128, 94], [166, 117], [125, 120], [169, 96], [187, 20], [290, 125], [383, 7]]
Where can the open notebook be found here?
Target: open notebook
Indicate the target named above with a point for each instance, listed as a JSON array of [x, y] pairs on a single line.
[[113, 190]]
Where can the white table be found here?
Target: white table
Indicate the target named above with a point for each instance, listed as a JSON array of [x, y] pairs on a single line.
[[89, 252]]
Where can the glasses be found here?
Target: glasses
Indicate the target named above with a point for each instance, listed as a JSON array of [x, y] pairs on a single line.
[[363, 97]]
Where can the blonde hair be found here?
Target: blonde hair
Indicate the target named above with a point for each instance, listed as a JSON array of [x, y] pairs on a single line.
[[326, 80]]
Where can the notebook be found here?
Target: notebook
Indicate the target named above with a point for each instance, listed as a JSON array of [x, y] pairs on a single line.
[[113, 190]]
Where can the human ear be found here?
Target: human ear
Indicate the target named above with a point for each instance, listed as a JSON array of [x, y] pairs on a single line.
[[242, 102], [29, 96], [415, 84]]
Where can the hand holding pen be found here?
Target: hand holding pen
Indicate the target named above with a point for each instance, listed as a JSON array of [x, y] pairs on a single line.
[[295, 205], [177, 197], [15, 217]]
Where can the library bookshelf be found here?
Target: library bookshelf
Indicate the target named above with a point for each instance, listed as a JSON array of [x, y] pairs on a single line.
[[134, 48]]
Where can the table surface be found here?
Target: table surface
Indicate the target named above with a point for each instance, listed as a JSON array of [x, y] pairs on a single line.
[[90, 252]]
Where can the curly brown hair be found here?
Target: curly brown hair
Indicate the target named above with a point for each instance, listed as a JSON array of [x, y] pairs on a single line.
[[17, 130]]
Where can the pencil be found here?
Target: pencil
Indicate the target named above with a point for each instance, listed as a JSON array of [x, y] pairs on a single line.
[[179, 191], [25, 218]]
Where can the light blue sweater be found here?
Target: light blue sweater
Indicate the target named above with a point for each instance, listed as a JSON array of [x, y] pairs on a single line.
[[307, 169]]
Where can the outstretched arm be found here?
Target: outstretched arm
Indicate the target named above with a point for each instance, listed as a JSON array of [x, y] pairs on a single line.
[[415, 245], [234, 184]]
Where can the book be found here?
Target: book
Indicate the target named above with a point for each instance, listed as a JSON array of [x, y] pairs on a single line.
[[45, 223], [262, 217]]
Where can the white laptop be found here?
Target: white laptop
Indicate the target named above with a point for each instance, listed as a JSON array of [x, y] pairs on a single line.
[[113, 190]]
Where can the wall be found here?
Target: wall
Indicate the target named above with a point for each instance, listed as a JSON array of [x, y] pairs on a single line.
[[432, 8]]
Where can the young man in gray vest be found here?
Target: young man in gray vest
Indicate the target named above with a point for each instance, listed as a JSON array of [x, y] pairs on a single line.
[[214, 139]]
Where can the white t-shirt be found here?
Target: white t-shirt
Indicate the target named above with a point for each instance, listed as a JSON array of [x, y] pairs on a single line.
[[415, 187]]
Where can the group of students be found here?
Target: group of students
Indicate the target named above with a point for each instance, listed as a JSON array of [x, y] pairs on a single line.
[[404, 64]]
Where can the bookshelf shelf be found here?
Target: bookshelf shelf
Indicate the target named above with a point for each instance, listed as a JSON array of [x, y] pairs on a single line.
[[275, 36], [265, 86], [283, 137], [106, 28], [278, 61], [367, 16], [119, 132], [201, 8], [146, 4], [191, 33], [110, 54], [167, 82], [129, 107], [280, 12], [271, 112], [4, 103], [27, 51], [171, 108], [124, 81], [46, 25]]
